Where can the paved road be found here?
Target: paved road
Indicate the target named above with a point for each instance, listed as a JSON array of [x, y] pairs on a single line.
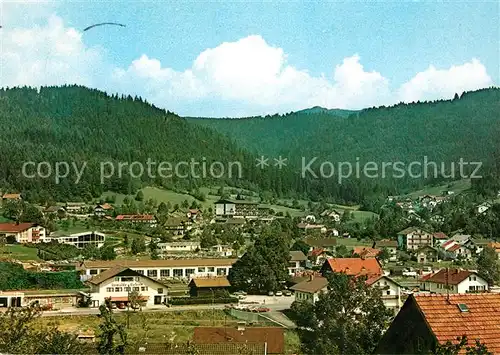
[[273, 303]]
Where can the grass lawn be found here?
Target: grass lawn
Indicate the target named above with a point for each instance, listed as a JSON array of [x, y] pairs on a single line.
[[4, 220], [156, 327], [352, 242], [18, 251], [455, 186]]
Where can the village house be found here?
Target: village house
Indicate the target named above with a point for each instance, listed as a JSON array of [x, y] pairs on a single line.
[[161, 269], [454, 250], [138, 218], [76, 207], [117, 282], [453, 281], [327, 244], [82, 240], [208, 286], [391, 246], [439, 238], [310, 289], [308, 227], [426, 321], [414, 238], [194, 214], [482, 208], [180, 246], [226, 208], [178, 225], [427, 254], [496, 247], [102, 210], [390, 291], [223, 250], [11, 197], [331, 215], [297, 261], [23, 233], [317, 256]]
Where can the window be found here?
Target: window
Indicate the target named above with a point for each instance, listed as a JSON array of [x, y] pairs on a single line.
[[211, 269], [127, 289], [388, 292], [221, 271], [140, 272], [152, 273], [201, 269], [118, 289], [474, 278], [117, 279], [136, 288], [93, 271], [144, 288], [127, 278], [165, 273], [109, 289], [189, 272], [160, 290], [178, 272]]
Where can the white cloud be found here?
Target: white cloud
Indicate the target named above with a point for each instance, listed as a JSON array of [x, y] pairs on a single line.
[[433, 84], [245, 77], [46, 55]]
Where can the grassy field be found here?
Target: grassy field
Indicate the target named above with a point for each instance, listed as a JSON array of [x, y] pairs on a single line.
[[157, 327], [19, 252], [455, 186], [352, 242]]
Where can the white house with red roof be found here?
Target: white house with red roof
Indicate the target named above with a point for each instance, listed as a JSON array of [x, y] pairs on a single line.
[[24, 232], [390, 289], [453, 281]]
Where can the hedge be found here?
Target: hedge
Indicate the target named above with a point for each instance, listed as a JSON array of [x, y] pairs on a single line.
[[178, 301]]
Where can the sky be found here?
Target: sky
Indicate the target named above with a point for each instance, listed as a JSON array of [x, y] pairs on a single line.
[[244, 58]]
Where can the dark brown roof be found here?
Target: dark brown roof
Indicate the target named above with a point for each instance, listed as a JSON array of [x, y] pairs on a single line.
[[297, 256], [447, 321], [311, 286], [220, 281], [107, 274], [455, 276], [274, 337]]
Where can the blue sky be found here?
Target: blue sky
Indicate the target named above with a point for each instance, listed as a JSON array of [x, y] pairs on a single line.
[[385, 52]]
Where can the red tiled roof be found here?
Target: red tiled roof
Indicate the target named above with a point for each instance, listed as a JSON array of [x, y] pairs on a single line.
[[440, 235], [12, 196], [15, 228], [366, 252], [447, 322], [355, 266], [316, 251], [274, 337], [455, 276], [454, 247], [448, 243]]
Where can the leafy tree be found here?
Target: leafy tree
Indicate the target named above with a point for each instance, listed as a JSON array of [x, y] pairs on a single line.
[[488, 265], [264, 267], [107, 253], [162, 208], [138, 245], [462, 344], [185, 204], [153, 249], [112, 338], [348, 319], [384, 254], [207, 238]]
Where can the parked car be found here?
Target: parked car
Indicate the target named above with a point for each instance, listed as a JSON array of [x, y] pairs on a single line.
[[287, 293], [121, 305], [270, 293], [262, 309], [279, 293]]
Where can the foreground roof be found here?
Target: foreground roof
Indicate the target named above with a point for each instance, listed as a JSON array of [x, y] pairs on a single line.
[[273, 336], [201, 349], [447, 321]]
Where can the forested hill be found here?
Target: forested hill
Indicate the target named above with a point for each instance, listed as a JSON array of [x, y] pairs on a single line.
[[467, 127], [77, 124]]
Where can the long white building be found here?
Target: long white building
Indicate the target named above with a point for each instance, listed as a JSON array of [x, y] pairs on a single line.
[[82, 240], [161, 269]]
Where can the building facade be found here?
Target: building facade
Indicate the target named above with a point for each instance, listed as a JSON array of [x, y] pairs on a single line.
[[236, 208], [23, 232], [83, 240]]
